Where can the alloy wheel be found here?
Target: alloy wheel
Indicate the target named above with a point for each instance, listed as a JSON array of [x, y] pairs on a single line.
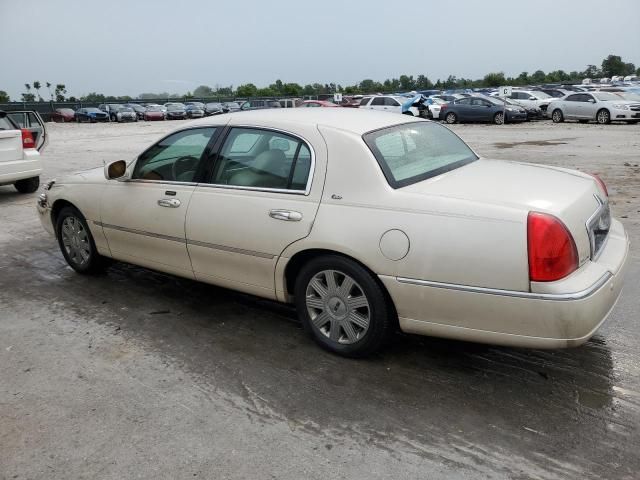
[[338, 307], [603, 117], [75, 241], [499, 118]]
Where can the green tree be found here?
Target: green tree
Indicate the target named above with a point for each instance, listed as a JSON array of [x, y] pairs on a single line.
[[423, 83], [591, 71], [203, 91], [494, 79], [37, 86], [28, 96], [4, 97], [60, 91], [538, 77], [94, 97], [225, 91], [407, 82], [291, 90], [265, 92], [247, 90], [613, 65]]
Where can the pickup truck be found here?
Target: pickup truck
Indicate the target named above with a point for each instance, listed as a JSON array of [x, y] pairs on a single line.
[[22, 137]]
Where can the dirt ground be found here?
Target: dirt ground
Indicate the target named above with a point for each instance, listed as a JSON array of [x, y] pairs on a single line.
[[136, 374]]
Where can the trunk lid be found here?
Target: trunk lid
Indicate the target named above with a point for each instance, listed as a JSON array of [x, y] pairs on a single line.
[[572, 196]]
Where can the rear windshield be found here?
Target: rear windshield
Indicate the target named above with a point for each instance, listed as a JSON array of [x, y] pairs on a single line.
[[413, 152]]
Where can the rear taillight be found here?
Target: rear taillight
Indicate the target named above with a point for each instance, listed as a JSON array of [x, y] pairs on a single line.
[[552, 251], [27, 139], [601, 184]]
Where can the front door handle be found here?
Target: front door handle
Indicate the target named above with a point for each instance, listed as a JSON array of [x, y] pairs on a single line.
[[169, 202], [286, 215]]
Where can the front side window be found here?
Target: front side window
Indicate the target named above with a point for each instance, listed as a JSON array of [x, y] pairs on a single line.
[[175, 158], [263, 159], [364, 101], [377, 101], [413, 152]]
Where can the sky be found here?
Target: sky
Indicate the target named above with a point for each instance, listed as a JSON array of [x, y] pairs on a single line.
[[127, 47]]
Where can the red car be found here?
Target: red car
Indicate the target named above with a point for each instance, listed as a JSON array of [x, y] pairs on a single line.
[[317, 103], [154, 113], [61, 115]]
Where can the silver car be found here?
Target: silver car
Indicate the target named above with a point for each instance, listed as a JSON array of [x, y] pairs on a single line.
[[603, 107]]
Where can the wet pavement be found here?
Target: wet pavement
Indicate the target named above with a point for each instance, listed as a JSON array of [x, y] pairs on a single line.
[[136, 374]]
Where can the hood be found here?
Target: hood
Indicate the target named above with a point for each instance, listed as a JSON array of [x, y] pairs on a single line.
[[92, 175]]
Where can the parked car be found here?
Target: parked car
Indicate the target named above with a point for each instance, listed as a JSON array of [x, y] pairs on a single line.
[[154, 113], [533, 113], [351, 101], [162, 108], [175, 111], [20, 163], [213, 108], [290, 102], [194, 111], [199, 105], [603, 107], [434, 105], [259, 104], [480, 109], [230, 107], [91, 114], [124, 114], [111, 109], [62, 115], [414, 230], [390, 103], [317, 103], [532, 98], [139, 109]]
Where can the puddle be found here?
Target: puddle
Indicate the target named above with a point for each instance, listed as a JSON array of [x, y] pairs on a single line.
[[535, 143]]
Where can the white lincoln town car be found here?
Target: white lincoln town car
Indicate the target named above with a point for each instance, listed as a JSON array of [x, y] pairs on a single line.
[[365, 221]]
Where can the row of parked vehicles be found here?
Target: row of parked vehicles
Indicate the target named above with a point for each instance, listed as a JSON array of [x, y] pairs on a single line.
[[600, 103], [132, 112]]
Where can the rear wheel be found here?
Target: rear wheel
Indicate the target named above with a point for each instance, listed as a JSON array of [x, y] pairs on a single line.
[[342, 306], [76, 242], [498, 118], [557, 116], [603, 117], [27, 185], [451, 118]]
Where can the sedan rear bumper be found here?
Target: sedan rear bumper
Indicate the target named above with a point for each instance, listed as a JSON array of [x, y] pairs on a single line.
[[520, 319]]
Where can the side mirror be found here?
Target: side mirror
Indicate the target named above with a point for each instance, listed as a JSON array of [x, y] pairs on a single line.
[[116, 170]]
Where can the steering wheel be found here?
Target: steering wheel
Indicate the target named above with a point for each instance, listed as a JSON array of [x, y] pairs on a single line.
[[183, 165]]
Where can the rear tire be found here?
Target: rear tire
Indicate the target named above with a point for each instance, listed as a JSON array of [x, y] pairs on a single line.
[[603, 116], [76, 242], [557, 116], [451, 118], [27, 185], [343, 307]]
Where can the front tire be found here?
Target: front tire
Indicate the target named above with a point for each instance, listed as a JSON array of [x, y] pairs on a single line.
[[343, 307], [76, 242], [557, 116], [603, 117], [27, 185], [498, 118], [451, 118]]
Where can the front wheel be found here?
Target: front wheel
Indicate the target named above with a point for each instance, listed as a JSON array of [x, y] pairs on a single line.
[[557, 116], [343, 307], [27, 185], [76, 242], [603, 117], [498, 118], [451, 118]]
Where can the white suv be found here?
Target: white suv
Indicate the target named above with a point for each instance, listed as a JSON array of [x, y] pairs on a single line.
[[388, 103], [20, 163]]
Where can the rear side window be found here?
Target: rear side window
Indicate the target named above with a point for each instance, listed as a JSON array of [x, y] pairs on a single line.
[[378, 101], [413, 152], [5, 124], [263, 159]]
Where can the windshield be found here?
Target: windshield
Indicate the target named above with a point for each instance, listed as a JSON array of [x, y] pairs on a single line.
[[233, 105], [175, 107], [154, 109], [630, 96], [93, 110], [605, 96], [413, 152]]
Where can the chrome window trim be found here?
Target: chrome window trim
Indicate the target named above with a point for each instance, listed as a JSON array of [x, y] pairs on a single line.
[[312, 168], [160, 182], [512, 293]]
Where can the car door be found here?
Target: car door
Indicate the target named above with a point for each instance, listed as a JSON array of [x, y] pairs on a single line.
[[586, 107], [480, 110], [377, 103], [392, 105], [143, 217], [263, 195], [570, 106], [33, 122], [463, 109]]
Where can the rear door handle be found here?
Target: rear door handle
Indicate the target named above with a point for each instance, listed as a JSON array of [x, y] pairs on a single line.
[[286, 215], [169, 202]]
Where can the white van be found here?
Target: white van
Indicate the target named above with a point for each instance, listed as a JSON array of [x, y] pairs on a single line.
[[20, 144]]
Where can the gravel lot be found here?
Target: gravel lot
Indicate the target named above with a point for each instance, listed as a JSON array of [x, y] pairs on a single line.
[[136, 374]]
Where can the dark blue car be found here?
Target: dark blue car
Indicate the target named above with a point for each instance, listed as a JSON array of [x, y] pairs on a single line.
[[91, 114], [481, 109]]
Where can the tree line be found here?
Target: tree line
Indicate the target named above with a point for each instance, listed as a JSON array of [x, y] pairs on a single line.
[[612, 65]]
